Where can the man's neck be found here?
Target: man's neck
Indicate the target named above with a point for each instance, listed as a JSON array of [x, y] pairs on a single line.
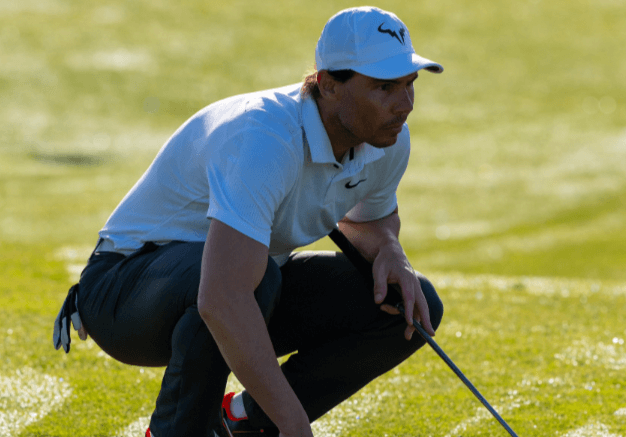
[[341, 139]]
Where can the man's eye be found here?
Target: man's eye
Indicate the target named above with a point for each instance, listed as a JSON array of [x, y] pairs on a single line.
[[385, 87]]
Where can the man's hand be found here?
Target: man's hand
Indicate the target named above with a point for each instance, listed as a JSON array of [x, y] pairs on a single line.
[[378, 242], [391, 266]]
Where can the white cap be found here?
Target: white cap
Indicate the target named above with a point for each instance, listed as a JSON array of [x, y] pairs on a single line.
[[369, 41]]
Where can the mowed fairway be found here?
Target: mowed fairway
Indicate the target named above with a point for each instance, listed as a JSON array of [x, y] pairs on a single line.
[[514, 202]]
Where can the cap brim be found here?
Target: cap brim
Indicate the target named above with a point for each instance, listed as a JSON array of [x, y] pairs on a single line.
[[398, 66]]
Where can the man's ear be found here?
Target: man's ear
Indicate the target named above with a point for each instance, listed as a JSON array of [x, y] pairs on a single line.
[[329, 87]]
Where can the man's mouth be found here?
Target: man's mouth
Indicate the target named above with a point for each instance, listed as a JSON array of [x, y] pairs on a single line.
[[396, 124]]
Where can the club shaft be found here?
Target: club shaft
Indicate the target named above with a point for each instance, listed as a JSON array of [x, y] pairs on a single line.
[[365, 268], [433, 344]]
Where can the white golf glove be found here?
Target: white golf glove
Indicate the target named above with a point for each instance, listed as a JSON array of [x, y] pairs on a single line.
[[69, 311]]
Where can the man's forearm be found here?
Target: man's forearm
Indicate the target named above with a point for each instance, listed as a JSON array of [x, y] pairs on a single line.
[[369, 237], [239, 331]]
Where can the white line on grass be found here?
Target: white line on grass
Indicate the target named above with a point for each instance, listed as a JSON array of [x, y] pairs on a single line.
[[135, 429], [27, 397], [120, 59], [591, 430], [75, 258], [462, 427], [532, 285], [512, 402]]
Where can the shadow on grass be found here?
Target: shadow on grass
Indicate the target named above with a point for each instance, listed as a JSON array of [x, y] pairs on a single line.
[[69, 159]]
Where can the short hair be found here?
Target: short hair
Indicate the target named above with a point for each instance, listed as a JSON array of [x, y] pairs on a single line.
[[311, 88]]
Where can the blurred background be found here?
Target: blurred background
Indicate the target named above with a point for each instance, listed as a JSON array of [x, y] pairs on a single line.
[[518, 171], [519, 148]]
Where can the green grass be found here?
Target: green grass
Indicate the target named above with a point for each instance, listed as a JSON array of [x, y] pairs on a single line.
[[514, 200]]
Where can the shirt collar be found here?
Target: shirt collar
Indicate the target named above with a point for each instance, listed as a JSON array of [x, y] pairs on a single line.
[[319, 143], [367, 153]]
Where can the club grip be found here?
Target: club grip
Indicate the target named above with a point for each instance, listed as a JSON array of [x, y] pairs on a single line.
[[358, 260]]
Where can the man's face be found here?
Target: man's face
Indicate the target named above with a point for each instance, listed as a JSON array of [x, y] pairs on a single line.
[[374, 110]]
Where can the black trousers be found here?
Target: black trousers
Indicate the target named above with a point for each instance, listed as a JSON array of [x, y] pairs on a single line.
[[142, 310]]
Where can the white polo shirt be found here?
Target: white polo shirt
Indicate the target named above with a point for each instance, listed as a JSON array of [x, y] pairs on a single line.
[[261, 163]]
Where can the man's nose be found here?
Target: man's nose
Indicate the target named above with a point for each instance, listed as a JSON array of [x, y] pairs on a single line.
[[405, 101]]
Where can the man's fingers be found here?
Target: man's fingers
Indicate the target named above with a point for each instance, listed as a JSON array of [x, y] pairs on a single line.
[[380, 283], [425, 322], [418, 308], [408, 332], [82, 333], [408, 296], [422, 309], [379, 295]]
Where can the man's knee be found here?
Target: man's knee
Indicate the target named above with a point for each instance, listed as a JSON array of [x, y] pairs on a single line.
[[435, 306]]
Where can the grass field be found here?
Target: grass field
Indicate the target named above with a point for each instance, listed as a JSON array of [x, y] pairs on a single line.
[[514, 202]]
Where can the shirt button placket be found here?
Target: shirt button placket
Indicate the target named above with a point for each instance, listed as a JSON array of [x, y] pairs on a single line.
[[330, 189]]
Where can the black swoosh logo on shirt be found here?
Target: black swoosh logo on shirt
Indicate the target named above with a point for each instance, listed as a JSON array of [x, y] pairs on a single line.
[[352, 186]]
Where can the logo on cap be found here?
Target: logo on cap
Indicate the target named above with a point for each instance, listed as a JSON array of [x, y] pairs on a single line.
[[393, 33]]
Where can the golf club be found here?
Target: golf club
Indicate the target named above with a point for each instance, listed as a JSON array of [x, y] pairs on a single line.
[[365, 268]]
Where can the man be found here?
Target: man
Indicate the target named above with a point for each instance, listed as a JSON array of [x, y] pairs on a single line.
[[195, 268]]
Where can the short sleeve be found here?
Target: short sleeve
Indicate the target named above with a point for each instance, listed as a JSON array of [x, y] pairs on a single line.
[[382, 200], [249, 175]]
